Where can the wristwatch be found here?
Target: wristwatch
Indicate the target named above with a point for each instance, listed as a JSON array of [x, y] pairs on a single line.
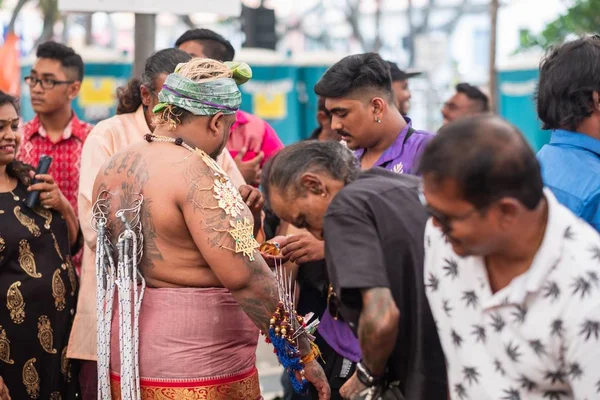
[[366, 377]]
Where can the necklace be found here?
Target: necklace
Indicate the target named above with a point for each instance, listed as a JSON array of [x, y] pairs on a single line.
[[228, 197], [15, 197], [212, 164]]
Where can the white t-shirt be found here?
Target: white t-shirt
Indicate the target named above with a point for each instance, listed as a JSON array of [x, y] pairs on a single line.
[[538, 338]]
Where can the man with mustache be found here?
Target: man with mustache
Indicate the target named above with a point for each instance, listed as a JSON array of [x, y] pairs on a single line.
[[468, 101], [359, 95]]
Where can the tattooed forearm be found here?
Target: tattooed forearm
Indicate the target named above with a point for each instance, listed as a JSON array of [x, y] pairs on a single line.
[[378, 328], [259, 309]]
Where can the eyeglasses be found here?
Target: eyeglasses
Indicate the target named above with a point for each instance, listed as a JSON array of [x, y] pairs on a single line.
[[46, 83], [444, 220], [332, 303]]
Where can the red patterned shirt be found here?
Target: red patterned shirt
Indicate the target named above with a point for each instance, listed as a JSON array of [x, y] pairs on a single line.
[[66, 153]]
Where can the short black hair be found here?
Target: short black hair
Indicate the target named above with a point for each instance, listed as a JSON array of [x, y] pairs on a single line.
[[215, 46], [161, 62], [569, 74], [359, 71], [65, 55], [488, 158], [475, 94], [287, 166]]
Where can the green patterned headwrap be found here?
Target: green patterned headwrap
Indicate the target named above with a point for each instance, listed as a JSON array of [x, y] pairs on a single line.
[[205, 98]]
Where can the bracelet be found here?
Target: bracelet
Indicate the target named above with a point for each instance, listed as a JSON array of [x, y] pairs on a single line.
[[366, 377], [314, 353], [310, 357]]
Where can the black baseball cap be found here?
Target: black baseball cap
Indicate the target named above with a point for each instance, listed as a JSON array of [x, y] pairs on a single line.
[[400, 75]]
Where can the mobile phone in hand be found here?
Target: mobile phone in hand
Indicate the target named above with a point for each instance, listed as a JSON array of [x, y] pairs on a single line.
[[33, 198]]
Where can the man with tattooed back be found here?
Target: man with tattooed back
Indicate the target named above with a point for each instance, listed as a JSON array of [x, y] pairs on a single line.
[[208, 289]]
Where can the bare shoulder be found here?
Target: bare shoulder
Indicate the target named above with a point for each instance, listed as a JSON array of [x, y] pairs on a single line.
[[211, 203]]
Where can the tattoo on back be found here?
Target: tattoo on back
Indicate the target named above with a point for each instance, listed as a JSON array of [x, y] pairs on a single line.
[[132, 174]]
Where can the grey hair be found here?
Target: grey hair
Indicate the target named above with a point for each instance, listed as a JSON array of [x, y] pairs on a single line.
[[283, 171]]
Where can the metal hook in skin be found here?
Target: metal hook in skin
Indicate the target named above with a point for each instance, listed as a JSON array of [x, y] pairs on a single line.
[[100, 210], [135, 209]]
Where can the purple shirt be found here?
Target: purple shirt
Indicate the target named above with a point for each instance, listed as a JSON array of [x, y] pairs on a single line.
[[402, 157], [340, 337]]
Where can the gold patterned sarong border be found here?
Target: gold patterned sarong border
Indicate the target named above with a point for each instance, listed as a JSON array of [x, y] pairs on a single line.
[[244, 386]]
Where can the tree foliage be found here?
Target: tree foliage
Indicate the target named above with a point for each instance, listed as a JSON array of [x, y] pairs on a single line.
[[582, 17]]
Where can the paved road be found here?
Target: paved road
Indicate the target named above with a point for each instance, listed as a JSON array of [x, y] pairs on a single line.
[[269, 370]]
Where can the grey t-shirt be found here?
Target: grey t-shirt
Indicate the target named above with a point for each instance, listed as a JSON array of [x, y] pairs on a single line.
[[374, 231]]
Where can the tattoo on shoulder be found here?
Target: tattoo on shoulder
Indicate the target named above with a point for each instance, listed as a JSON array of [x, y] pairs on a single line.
[[201, 196]]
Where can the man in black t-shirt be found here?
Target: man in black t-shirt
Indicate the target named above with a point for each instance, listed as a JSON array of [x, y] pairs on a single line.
[[373, 225]]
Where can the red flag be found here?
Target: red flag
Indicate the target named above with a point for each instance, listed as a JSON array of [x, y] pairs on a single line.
[[10, 73]]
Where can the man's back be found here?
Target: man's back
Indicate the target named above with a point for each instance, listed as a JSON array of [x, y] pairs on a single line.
[[374, 238], [571, 169], [165, 175]]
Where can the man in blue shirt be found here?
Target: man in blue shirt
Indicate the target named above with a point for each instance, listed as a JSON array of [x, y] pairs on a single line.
[[569, 105]]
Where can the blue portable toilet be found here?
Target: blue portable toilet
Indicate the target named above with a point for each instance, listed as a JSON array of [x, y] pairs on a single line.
[[312, 67], [517, 85], [272, 93], [105, 71]]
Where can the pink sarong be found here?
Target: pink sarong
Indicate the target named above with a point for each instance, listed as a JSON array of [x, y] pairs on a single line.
[[195, 343]]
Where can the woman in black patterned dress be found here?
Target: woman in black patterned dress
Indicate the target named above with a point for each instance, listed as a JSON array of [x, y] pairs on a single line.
[[38, 284]]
